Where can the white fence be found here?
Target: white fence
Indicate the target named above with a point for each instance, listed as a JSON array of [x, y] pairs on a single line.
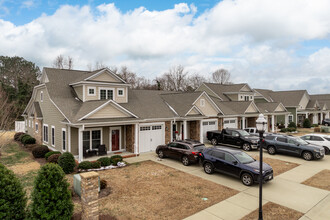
[[19, 126]]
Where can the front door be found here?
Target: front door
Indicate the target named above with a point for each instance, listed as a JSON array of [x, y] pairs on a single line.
[[115, 139]]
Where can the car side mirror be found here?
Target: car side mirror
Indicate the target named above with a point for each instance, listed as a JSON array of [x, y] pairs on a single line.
[[235, 162]]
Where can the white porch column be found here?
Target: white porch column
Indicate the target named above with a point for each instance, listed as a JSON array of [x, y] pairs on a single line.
[[201, 131], [286, 120], [243, 122], [314, 118], [80, 145], [321, 117], [306, 115], [184, 129], [273, 123], [69, 138], [327, 115], [136, 137]]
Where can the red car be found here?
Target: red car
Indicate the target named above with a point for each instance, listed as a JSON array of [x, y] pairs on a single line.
[[187, 151]]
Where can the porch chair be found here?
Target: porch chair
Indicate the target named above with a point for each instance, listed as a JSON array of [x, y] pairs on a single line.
[[102, 149]]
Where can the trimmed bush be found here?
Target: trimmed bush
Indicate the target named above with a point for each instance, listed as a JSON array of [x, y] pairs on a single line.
[[283, 130], [67, 162], [17, 136], [85, 165], [53, 158], [103, 184], [50, 153], [51, 198], [40, 151], [307, 123], [22, 136], [105, 161], [28, 140], [12, 196], [96, 164], [292, 125], [115, 159], [314, 125]]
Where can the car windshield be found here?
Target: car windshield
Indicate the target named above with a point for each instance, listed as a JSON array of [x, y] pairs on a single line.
[[243, 133], [244, 158], [299, 141], [199, 147], [327, 138]]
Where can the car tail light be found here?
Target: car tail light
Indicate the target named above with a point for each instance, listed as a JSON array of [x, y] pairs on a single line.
[[200, 154], [194, 153]]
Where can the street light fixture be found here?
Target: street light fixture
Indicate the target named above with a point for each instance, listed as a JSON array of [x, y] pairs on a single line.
[[261, 125]]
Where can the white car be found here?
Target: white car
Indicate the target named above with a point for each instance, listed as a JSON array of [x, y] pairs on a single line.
[[318, 139]]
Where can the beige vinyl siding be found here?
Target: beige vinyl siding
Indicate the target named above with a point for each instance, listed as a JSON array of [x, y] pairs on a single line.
[[279, 108], [52, 117], [245, 89], [74, 141], [105, 77], [304, 101], [207, 109], [193, 112], [79, 91], [109, 111], [251, 109], [117, 98], [106, 137]]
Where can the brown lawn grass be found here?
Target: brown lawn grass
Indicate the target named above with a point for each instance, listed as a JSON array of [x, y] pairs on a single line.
[[149, 190], [319, 180], [279, 166], [273, 211]]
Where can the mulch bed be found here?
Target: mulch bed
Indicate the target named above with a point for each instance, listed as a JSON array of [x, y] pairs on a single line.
[[149, 190], [273, 211], [320, 180]]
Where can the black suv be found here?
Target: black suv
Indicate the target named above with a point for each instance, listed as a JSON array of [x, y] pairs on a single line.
[[187, 151], [235, 163], [292, 146], [326, 121]]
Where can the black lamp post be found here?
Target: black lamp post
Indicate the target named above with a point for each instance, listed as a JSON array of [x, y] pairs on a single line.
[[261, 124]]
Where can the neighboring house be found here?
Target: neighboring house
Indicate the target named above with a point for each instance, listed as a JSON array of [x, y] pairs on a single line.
[[79, 110], [240, 110], [299, 103]]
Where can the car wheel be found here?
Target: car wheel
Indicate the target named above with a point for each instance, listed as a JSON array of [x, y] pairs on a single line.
[[208, 168], [185, 161], [326, 150], [307, 155], [160, 154], [246, 147], [214, 141], [247, 179], [271, 150]]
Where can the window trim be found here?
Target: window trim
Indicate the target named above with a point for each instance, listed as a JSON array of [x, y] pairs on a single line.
[[41, 96], [43, 133], [104, 88], [29, 123], [64, 148], [289, 118], [121, 89], [90, 135], [91, 87], [51, 135], [36, 127]]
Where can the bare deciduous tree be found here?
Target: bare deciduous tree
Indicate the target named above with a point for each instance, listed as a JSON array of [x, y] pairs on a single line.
[[194, 81], [221, 76], [173, 80], [8, 111], [63, 63]]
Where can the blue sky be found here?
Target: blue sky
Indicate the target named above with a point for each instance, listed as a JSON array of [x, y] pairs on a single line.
[[283, 44]]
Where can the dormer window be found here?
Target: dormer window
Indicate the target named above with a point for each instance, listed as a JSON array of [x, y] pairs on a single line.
[[202, 102], [91, 91], [106, 94], [120, 92]]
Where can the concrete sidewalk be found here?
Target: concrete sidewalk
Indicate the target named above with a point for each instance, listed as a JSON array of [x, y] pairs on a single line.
[[286, 189]]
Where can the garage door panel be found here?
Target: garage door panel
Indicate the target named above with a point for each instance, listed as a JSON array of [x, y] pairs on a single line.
[[208, 126], [230, 123], [150, 137]]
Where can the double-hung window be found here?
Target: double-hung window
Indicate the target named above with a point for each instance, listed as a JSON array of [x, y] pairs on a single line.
[[64, 139], [53, 135], [106, 94], [91, 139], [45, 133]]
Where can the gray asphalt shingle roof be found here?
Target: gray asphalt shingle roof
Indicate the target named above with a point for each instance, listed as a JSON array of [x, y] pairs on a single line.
[[220, 89]]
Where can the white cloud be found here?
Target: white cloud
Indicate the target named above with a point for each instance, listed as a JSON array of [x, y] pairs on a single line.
[[256, 40]]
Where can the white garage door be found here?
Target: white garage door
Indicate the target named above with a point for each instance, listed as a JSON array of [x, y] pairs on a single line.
[[230, 123], [150, 136], [209, 126]]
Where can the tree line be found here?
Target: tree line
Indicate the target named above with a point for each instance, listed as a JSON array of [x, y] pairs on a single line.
[[19, 76]]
